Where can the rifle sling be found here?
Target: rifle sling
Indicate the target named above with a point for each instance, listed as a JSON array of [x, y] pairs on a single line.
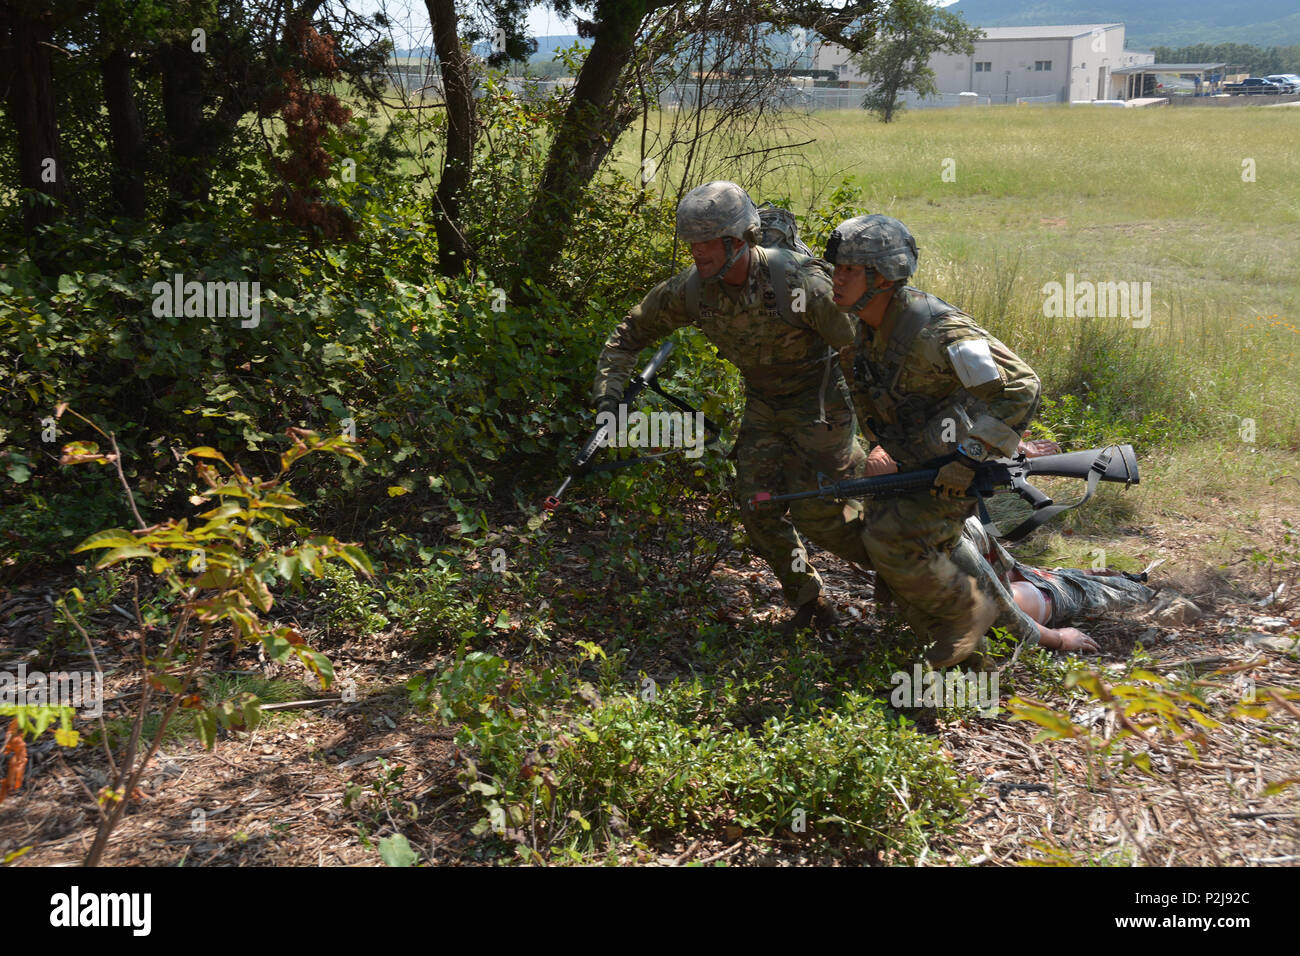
[[653, 385], [1044, 515], [709, 424]]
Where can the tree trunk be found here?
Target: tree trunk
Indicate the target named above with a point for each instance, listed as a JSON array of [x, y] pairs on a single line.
[[458, 158], [184, 92], [126, 133], [32, 109], [891, 103], [585, 135]]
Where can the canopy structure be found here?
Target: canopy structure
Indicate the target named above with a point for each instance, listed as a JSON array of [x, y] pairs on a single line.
[[1145, 80]]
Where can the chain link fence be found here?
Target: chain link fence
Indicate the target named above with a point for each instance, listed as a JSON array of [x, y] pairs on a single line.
[[1031, 100], [814, 99], [424, 80], [426, 83]]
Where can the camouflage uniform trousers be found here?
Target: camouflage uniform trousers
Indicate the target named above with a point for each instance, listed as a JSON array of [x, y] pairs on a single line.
[[1075, 593], [782, 448], [945, 589]]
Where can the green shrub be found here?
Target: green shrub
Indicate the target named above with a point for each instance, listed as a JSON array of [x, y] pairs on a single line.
[[557, 763]]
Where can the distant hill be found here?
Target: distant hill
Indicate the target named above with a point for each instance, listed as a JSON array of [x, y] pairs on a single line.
[[1164, 22], [546, 46]]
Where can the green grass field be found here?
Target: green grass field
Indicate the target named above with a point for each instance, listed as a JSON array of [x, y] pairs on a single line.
[[1156, 191]]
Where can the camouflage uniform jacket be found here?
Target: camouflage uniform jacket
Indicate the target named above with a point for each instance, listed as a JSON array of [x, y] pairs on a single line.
[[929, 376], [775, 357]]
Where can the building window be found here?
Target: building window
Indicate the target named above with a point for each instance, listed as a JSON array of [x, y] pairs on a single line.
[[1042, 66], [983, 66]]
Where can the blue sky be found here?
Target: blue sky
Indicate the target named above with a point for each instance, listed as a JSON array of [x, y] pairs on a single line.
[[545, 23]]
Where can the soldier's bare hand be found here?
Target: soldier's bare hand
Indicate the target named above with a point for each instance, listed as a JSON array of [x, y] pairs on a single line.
[[879, 463]]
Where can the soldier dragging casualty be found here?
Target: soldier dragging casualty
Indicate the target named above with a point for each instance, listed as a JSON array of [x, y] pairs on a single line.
[[769, 311]]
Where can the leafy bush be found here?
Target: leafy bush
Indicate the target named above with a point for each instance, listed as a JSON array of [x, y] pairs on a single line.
[[558, 764], [1112, 391]]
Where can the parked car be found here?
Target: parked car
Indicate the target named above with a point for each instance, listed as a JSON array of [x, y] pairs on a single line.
[[1290, 81], [1253, 85]]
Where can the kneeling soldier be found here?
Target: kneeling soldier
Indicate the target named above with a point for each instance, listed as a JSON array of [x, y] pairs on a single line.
[[934, 390]]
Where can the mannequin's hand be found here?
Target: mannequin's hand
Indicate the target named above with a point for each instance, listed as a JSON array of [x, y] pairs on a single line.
[[1038, 447], [1073, 639], [879, 463]]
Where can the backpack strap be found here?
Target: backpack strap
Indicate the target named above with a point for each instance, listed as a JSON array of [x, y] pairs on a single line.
[[906, 329], [909, 326], [781, 263], [693, 284]]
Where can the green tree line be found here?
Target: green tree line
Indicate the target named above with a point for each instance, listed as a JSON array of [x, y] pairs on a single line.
[[1258, 61]]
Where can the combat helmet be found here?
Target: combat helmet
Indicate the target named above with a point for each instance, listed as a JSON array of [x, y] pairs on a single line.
[[780, 230], [881, 243], [719, 210]]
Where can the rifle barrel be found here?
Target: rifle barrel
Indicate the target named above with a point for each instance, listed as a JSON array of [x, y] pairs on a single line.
[[652, 369]]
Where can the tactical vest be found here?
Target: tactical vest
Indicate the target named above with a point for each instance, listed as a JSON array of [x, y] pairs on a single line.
[[913, 428], [773, 268]]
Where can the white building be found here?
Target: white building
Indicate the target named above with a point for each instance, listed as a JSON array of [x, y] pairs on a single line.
[[1063, 63]]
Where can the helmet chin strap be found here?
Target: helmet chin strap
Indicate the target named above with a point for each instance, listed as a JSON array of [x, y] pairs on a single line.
[[873, 290], [733, 256]]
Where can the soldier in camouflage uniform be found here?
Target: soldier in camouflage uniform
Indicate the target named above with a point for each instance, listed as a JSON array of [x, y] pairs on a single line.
[[770, 313], [932, 388]]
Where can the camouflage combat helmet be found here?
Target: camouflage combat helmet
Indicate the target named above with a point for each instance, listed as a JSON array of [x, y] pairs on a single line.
[[719, 210], [881, 243], [780, 229]]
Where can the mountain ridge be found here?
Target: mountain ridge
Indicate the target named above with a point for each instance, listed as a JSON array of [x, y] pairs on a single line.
[[1156, 23]]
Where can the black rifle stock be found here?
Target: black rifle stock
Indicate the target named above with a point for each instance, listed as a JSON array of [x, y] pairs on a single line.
[[1115, 463]]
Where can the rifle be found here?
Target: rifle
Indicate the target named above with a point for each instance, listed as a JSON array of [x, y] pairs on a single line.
[[649, 378], [1113, 463]]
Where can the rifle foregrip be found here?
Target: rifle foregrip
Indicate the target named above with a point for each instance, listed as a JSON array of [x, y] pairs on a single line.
[[885, 484], [594, 444]]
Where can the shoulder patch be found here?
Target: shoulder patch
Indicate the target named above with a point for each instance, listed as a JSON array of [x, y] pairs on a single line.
[[973, 362]]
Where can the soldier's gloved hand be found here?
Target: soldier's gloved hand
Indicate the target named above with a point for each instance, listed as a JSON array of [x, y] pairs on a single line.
[[953, 480], [607, 403]]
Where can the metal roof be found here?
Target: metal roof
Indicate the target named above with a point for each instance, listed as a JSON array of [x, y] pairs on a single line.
[[1171, 68], [1066, 32]]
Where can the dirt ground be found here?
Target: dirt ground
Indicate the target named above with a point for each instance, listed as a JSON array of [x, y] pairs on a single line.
[[277, 796]]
